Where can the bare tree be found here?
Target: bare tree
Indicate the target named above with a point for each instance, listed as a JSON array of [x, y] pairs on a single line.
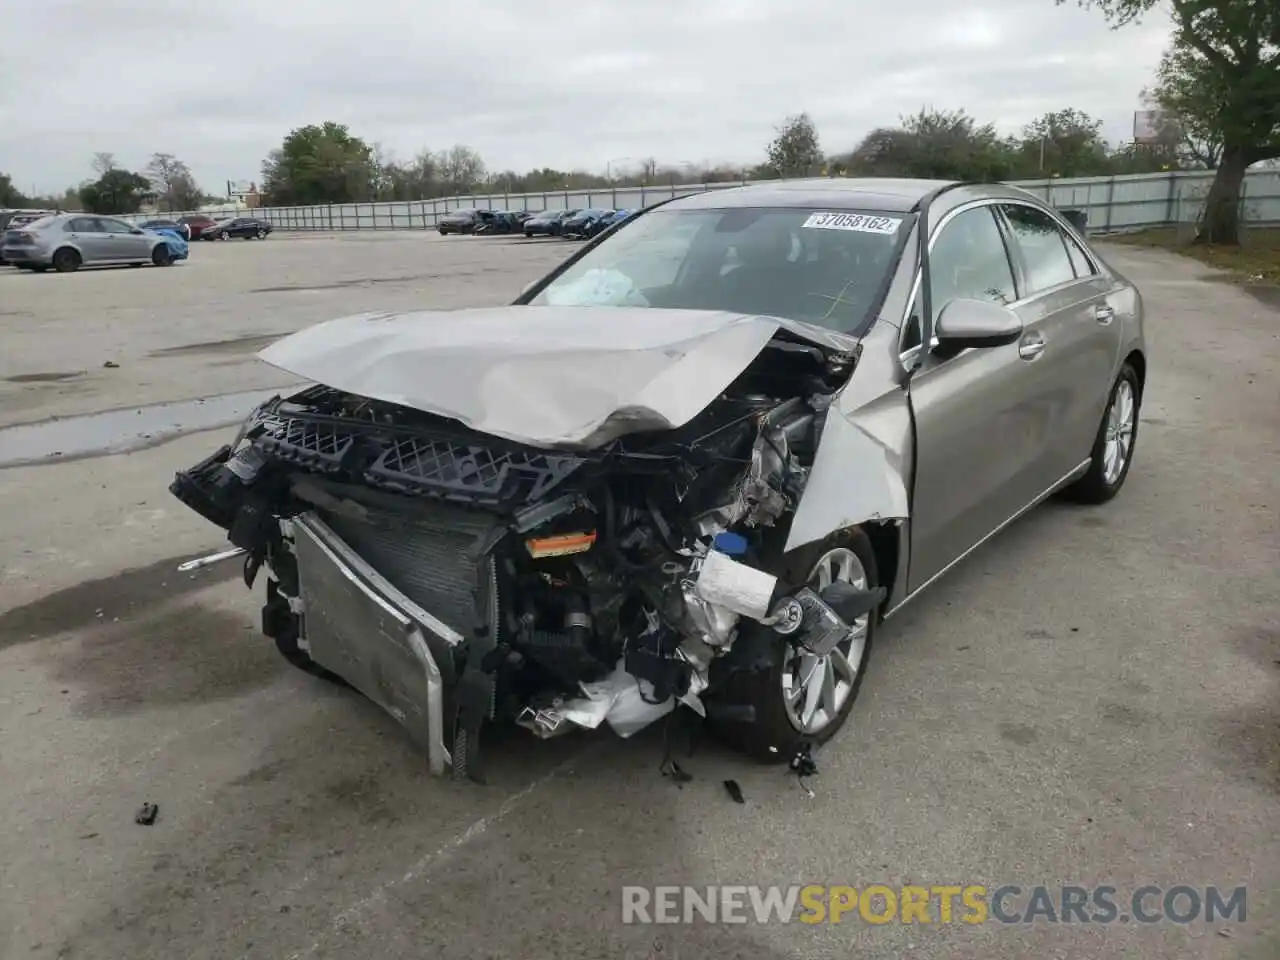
[[173, 183], [103, 163]]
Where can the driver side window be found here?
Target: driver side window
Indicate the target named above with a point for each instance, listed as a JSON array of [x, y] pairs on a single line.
[[968, 260], [114, 226]]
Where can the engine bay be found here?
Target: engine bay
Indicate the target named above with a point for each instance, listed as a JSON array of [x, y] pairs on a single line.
[[601, 585]]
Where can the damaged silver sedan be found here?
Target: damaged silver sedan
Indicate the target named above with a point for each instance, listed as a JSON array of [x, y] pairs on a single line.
[[696, 465]]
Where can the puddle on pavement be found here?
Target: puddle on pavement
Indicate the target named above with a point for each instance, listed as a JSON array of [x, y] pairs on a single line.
[[44, 377], [122, 431]]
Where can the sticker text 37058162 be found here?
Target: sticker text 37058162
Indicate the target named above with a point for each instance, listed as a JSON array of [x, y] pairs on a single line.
[[860, 222]]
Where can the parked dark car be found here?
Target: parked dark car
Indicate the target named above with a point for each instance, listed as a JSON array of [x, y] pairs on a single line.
[[163, 224], [605, 222], [502, 221], [463, 221], [196, 224], [246, 228], [584, 220], [547, 223]]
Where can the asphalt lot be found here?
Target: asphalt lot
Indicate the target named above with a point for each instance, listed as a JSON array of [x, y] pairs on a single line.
[[1093, 698]]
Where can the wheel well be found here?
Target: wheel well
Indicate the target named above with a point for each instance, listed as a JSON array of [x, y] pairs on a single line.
[[885, 544], [67, 246], [1139, 363]]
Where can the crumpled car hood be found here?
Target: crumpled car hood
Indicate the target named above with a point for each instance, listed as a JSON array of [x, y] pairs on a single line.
[[545, 376]]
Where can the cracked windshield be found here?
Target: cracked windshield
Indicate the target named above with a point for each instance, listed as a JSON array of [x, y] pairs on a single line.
[[797, 264]]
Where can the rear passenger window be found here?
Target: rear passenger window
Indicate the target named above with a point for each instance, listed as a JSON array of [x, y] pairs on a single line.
[[1043, 247], [1079, 260]]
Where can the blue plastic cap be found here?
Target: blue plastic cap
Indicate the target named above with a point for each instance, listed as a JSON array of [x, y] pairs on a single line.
[[733, 544]]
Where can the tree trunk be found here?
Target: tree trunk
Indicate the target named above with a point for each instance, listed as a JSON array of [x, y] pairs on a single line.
[[1221, 223]]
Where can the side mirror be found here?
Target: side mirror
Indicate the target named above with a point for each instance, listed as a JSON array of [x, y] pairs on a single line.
[[976, 323]]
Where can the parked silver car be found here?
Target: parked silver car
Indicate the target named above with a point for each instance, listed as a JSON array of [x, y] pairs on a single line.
[[69, 241], [697, 464]]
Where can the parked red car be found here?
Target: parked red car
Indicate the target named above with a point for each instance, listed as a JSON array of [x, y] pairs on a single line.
[[197, 224]]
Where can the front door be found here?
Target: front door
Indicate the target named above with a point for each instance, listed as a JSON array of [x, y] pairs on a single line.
[[124, 243], [978, 436]]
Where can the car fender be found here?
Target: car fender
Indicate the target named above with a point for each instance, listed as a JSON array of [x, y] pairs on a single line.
[[859, 474]]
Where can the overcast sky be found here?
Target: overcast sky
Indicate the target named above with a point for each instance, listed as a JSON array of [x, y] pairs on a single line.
[[559, 84]]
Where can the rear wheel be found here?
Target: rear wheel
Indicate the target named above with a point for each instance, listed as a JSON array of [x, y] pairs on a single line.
[[261, 234], [799, 697], [1113, 446], [67, 260]]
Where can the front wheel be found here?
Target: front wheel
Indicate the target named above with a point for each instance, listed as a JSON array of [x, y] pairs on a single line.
[[796, 696], [261, 234], [162, 256], [1112, 452]]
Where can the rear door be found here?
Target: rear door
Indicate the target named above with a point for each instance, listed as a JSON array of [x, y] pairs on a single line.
[[1065, 299], [89, 236]]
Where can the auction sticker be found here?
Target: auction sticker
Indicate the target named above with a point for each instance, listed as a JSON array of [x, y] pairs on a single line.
[[859, 222]]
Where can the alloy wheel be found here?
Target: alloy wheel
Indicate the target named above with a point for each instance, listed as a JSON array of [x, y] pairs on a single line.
[[815, 689], [1119, 432]]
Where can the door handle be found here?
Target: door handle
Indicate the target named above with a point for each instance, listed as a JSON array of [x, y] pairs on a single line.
[[1104, 313], [1031, 347]]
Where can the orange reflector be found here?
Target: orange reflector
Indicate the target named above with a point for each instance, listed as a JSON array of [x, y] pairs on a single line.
[[561, 545]]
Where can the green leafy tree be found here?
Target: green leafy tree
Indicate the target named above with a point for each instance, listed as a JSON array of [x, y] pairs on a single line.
[[116, 191], [319, 164], [941, 144], [795, 152], [1221, 76], [10, 196], [1191, 101], [1064, 143]]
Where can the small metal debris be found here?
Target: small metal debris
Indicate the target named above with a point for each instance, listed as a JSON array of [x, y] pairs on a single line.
[[735, 791], [146, 814], [804, 766], [111, 365]]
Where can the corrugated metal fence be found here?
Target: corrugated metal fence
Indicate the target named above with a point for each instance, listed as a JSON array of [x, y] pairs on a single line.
[[1112, 204]]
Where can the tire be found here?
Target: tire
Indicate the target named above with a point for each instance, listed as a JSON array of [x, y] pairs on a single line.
[[1100, 484], [528, 234], [773, 734], [261, 234], [66, 260], [162, 256]]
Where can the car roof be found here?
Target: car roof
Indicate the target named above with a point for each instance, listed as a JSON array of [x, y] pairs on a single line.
[[881, 194]]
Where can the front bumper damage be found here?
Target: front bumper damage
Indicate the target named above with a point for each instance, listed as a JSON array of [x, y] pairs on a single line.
[[594, 561], [354, 622]]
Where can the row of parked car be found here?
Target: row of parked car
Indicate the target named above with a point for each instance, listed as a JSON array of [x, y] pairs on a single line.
[[40, 240], [200, 226], [571, 224]]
